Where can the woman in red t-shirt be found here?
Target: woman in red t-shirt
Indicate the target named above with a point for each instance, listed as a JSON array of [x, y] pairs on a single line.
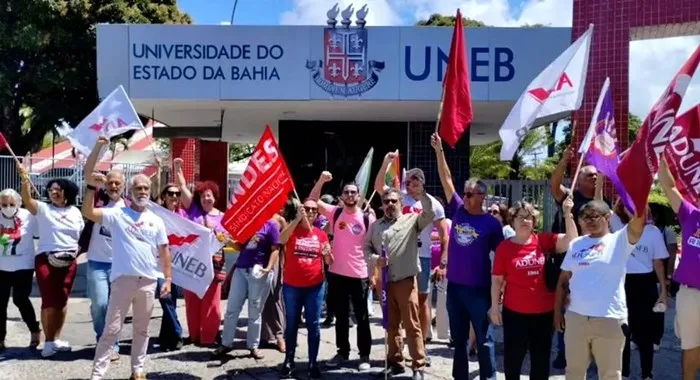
[[528, 305], [305, 247]]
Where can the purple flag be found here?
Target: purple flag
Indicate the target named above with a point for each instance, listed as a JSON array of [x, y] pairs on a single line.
[[600, 144], [385, 285]]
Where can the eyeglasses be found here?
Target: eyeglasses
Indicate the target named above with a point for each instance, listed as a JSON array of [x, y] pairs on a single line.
[[173, 193], [310, 209], [469, 194], [7, 205], [592, 218], [523, 218], [390, 201]]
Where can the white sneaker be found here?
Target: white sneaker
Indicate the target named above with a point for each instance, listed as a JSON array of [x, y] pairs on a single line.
[[364, 364], [62, 345], [49, 350], [657, 348]]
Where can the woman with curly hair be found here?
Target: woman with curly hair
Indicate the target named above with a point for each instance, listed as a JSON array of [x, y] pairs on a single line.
[[60, 224], [203, 314]]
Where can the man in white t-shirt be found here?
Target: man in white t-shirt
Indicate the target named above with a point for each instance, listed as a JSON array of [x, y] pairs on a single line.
[[139, 237], [413, 181], [593, 272], [96, 240]]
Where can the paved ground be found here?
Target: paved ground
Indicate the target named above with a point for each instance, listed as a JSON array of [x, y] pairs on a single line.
[[20, 363]]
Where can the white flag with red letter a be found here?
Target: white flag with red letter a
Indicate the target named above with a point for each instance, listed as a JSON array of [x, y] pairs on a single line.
[[112, 117], [556, 91]]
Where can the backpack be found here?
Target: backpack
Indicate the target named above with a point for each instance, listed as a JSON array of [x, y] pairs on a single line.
[[339, 210]]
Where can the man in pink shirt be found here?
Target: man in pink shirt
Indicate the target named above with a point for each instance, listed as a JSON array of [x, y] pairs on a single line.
[[347, 276]]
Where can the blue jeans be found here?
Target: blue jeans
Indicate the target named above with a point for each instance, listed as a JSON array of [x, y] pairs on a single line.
[[311, 299], [98, 290], [170, 328], [255, 290], [465, 305]]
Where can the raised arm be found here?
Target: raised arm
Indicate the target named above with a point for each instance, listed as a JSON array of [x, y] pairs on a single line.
[[185, 193], [91, 162], [668, 184], [599, 182], [89, 210], [556, 183], [28, 202], [155, 183], [571, 231], [379, 181], [443, 169], [287, 231], [428, 214], [315, 194], [635, 227]]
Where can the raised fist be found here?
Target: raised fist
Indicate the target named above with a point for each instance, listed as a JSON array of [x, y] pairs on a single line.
[[436, 141], [326, 176], [177, 163]]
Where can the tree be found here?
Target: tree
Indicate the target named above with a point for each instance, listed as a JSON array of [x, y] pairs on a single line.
[[48, 66], [437, 19], [485, 162], [633, 126]]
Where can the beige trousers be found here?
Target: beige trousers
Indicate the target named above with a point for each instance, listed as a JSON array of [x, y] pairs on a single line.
[[591, 337], [127, 291]]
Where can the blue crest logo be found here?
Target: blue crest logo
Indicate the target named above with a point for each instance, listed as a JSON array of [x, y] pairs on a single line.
[[345, 70]]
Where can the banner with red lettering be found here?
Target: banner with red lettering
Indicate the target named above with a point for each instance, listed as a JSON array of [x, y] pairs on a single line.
[[637, 169], [261, 192], [683, 154]]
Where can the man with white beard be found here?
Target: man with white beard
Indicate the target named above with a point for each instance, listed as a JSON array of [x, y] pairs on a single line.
[[138, 238]]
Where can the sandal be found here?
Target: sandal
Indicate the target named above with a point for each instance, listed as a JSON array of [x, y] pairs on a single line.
[[281, 345]]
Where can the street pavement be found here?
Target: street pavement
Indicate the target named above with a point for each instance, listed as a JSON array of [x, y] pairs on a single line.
[[19, 363]]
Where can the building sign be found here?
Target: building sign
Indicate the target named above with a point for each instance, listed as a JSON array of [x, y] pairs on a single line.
[[339, 61]]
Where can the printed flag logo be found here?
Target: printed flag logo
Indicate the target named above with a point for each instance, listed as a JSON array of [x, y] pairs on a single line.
[[177, 240]]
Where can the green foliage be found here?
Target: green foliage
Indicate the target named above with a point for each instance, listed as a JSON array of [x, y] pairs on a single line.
[[236, 151], [633, 126], [48, 64], [437, 19], [485, 159]]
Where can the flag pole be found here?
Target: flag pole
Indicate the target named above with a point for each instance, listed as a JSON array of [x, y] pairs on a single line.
[[580, 159], [370, 199], [19, 164], [442, 100]]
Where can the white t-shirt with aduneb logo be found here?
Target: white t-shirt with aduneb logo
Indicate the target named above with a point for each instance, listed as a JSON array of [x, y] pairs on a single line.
[[136, 237], [59, 228], [101, 239], [598, 281], [650, 247], [410, 205]]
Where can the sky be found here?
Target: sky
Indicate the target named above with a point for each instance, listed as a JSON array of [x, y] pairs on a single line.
[[652, 62]]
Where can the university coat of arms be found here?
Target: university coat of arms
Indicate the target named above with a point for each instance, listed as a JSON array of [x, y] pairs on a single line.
[[345, 70]]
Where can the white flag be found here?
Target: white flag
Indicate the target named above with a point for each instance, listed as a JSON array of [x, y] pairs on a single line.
[[554, 92], [362, 177], [113, 116], [191, 249]]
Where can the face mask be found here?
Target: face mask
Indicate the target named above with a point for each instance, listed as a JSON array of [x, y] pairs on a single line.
[[9, 212]]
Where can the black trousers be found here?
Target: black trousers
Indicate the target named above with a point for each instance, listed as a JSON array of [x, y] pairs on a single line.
[[342, 289], [523, 333], [642, 294], [19, 284]]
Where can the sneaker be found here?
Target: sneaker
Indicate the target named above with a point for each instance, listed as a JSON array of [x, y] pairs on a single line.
[[286, 370], [418, 375], [62, 345], [364, 364], [657, 348], [49, 350], [328, 322], [337, 361], [559, 362], [314, 373]]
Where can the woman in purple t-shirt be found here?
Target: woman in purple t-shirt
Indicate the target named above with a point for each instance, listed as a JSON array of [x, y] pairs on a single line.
[[203, 314]]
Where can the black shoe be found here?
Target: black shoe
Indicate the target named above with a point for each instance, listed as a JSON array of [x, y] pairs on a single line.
[[393, 370], [286, 370], [314, 373], [559, 362], [328, 322]]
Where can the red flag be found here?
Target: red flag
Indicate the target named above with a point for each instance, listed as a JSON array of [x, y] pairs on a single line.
[[683, 154], [456, 105], [637, 169], [3, 142], [261, 192]]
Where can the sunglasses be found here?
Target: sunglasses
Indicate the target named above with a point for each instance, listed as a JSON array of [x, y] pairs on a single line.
[[469, 194], [7, 205], [310, 209], [173, 193], [390, 201], [592, 218]]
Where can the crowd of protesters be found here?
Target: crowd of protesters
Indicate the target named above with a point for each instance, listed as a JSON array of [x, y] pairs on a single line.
[[600, 281]]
